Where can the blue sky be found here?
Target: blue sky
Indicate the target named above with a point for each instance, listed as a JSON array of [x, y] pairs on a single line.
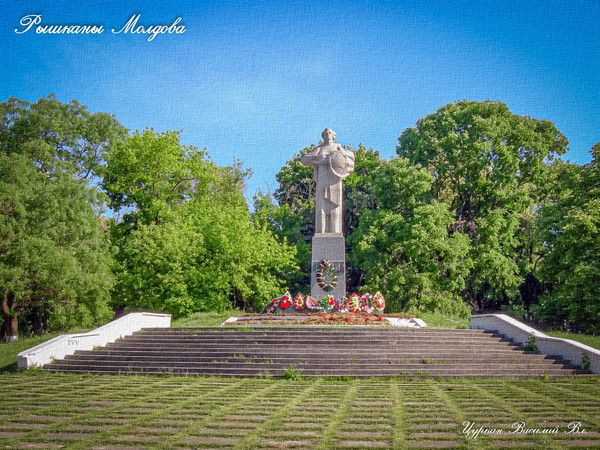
[[259, 80]]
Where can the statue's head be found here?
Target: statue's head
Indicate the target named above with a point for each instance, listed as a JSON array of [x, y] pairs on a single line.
[[328, 135]]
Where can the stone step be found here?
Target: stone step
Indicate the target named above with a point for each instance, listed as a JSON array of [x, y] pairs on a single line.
[[316, 331], [321, 339], [468, 354], [349, 351], [316, 328], [469, 372], [292, 338], [232, 364], [311, 352], [394, 358]]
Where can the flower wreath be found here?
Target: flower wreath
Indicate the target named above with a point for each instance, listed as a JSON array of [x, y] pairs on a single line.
[[327, 303], [354, 303], [271, 307], [326, 276], [366, 303], [311, 303], [285, 301], [299, 302], [378, 302]]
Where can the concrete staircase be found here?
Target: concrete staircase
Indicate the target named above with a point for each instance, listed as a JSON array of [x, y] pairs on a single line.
[[317, 351]]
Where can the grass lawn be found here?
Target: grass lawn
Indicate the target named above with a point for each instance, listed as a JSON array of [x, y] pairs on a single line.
[[85, 411]]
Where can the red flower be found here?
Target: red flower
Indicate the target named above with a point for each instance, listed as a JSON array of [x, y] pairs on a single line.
[[331, 301], [366, 319], [284, 304]]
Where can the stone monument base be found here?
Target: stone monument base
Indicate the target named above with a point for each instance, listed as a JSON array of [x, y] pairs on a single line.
[[332, 247]]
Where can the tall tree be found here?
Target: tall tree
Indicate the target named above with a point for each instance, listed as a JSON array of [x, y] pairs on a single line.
[[186, 242], [488, 165], [54, 258], [569, 234], [404, 246]]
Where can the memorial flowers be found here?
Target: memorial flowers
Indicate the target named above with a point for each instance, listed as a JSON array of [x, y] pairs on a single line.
[[366, 303], [326, 276], [355, 303], [341, 305], [299, 302], [285, 302], [378, 302], [311, 303], [327, 303]]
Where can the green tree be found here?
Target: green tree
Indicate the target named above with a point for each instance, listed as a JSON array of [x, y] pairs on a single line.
[[54, 258], [186, 242], [569, 233], [58, 136], [286, 226], [404, 246], [53, 255], [488, 166]]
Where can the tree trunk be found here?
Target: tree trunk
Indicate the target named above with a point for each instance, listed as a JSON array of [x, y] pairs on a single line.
[[119, 311], [11, 323], [37, 320]]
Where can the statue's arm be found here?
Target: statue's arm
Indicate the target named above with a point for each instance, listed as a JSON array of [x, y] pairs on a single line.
[[312, 159]]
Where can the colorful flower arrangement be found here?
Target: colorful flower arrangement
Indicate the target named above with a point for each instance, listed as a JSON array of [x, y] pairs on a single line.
[[299, 302], [327, 303], [378, 302], [365, 303], [341, 305], [311, 303], [355, 303]]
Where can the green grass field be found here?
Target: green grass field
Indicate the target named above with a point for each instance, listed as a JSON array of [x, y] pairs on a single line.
[[84, 411], [79, 411]]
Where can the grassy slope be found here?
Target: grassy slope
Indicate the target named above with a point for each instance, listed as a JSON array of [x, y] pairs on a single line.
[[9, 351], [592, 341]]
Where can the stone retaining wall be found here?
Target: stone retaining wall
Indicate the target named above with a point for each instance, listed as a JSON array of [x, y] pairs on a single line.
[[67, 344]]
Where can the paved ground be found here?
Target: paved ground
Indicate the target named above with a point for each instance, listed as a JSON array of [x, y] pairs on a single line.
[[83, 411]]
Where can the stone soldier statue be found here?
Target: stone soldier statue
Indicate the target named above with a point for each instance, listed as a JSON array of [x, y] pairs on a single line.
[[332, 163]]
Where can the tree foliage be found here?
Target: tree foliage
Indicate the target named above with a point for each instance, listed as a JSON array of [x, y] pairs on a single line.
[[186, 242], [488, 165], [58, 136], [54, 257], [568, 228], [404, 246]]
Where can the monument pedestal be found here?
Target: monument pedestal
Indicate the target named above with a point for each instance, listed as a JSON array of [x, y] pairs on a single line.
[[332, 247]]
